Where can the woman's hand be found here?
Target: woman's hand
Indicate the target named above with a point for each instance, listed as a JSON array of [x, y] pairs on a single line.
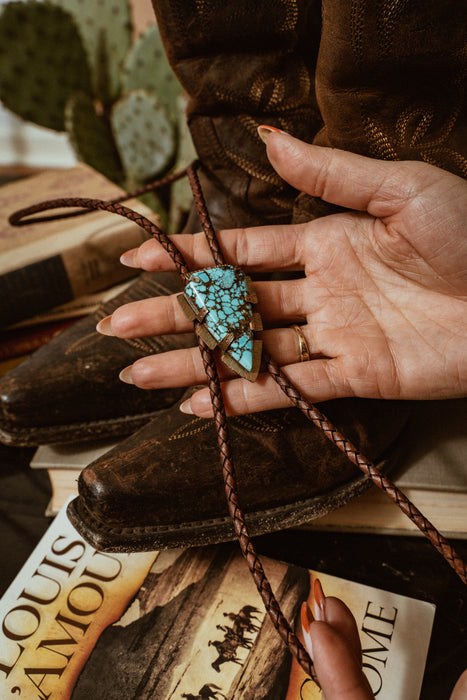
[[383, 302], [331, 639]]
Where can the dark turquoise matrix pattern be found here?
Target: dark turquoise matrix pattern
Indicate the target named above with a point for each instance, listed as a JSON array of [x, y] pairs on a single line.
[[223, 291]]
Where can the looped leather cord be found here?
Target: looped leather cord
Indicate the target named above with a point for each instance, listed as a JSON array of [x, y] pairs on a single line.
[[311, 412]]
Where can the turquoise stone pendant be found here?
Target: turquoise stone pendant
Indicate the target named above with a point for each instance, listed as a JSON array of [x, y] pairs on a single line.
[[220, 298]]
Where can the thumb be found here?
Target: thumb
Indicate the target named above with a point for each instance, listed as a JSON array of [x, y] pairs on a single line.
[[339, 177]]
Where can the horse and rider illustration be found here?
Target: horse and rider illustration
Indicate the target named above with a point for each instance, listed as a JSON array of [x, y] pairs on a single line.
[[209, 691], [243, 622], [238, 635]]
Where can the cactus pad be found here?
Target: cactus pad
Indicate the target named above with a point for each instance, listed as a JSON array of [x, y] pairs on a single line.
[[42, 62], [105, 27], [91, 137], [147, 67], [144, 135]]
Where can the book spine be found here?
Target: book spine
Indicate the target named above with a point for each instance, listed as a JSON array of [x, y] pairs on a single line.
[[29, 290]]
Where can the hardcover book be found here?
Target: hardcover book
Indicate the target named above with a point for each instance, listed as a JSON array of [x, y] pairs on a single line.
[[21, 339], [72, 627], [15, 342], [76, 308], [46, 264]]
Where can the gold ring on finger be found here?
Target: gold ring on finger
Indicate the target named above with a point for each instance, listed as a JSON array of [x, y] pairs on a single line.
[[303, 351]]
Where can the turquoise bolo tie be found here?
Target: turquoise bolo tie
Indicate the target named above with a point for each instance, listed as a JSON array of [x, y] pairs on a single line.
[[221, 300]]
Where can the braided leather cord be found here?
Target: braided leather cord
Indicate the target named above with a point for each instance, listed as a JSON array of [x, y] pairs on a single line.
[[294, 395], [230, 484], [391, 490], [20, 217]]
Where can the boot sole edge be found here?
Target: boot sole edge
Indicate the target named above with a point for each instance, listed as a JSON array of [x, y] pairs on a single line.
[[203, 532]]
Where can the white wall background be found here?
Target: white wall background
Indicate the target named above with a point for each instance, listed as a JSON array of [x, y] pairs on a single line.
[[25, 144]]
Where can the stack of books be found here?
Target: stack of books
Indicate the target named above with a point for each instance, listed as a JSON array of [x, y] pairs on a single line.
[[53, 273], [431, 472]]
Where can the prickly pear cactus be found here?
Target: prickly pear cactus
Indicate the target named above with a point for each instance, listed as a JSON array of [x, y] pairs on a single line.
[[42, 62], [70, 64], [91, 138], [147, 67], [144, 135], [106, 28]]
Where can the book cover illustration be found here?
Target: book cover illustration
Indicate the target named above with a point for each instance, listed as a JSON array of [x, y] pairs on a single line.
[[198, 629], [80, 624], [53, 613]]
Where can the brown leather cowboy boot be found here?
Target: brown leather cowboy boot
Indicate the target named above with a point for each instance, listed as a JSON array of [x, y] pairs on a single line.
[[390, 84], [243, 65], [162, 487], [69, 390]]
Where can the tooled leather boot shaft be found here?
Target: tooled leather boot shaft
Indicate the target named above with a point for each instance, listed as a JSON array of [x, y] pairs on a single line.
[[242, 64], [391, 83]]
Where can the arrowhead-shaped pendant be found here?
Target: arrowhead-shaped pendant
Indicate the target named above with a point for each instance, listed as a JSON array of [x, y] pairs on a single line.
[[220, 298]]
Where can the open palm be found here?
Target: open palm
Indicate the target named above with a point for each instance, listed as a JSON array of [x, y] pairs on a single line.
[[383, 301]]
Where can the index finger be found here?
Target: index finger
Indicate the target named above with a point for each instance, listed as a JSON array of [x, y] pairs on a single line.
[[261, 248]]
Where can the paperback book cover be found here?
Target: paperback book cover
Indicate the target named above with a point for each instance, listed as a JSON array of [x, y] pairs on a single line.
[[54, 611], [72, 627], [198, 626]]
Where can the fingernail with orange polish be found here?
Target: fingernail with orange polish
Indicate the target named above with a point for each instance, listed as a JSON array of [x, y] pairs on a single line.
[[319, 601], [264, 130], [306, 617]]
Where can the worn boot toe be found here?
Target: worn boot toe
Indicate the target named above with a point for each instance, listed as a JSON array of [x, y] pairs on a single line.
[[69, 389], [163, 486]]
